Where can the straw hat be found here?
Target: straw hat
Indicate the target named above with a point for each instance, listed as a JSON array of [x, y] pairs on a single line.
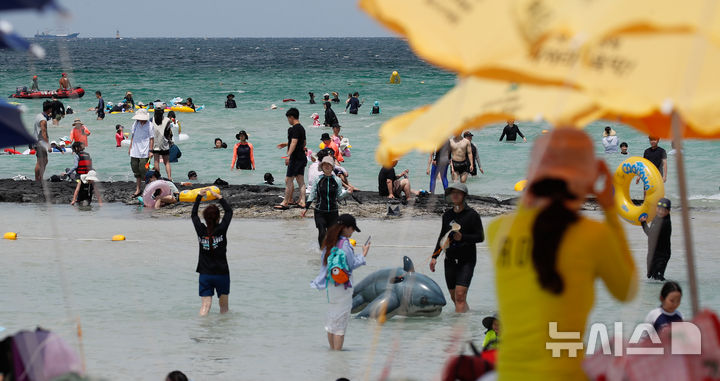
[[141, 114], [565, 154], [77, 121]]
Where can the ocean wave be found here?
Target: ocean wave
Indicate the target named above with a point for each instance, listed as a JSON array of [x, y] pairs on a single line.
[[705, 197]]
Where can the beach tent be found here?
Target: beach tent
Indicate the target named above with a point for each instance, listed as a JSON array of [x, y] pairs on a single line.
[[12, 130]]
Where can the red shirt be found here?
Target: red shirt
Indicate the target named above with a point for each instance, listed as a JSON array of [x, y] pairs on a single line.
[[77, 136]]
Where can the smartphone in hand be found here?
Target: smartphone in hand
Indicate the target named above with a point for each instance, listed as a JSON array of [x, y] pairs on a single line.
[[367, 242]]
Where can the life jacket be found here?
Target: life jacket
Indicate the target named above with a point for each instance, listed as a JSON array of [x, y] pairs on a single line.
[[326, 193], [337, 267], [243, 156], [84, 163]]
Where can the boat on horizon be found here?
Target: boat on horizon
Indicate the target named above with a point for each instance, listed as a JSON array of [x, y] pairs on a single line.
[[53, 35]]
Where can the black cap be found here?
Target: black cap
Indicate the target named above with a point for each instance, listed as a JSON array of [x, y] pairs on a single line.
[[325, 136], [349, 221], [467, 133], [665, 203], [487, 322], [242, 132]]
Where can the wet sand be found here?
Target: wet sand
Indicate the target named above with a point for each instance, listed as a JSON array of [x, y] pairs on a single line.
[[254, 201]]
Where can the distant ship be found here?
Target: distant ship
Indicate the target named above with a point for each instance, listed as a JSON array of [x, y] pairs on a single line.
[[52, 35], [117, 35]]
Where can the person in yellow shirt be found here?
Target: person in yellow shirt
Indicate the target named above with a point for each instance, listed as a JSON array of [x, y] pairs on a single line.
[[547, 257]]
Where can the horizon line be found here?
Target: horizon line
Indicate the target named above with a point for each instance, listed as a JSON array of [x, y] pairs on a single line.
[[225, 37]]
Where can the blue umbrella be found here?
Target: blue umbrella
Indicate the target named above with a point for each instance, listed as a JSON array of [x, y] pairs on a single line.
[[11, 40], [12, 130], [25, 4]]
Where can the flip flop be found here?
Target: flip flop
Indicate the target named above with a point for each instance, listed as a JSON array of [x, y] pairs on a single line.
[[281, 207], [136, 195], [300, 206]]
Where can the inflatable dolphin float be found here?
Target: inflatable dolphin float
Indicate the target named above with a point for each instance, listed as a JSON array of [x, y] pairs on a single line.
[[397, 291]]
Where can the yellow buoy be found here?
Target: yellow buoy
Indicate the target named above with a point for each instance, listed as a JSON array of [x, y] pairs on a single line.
[[118, 237], [520, 185], [10, 235], [395, 77]]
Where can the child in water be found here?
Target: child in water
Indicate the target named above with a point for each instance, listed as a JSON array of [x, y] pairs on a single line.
[[667, 313], [658, 233], [86, 188], [219, 143], [376, 108], [492, 335], [119, 135]]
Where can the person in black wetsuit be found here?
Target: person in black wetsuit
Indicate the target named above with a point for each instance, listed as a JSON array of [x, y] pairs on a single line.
[[459, 245], [58, 111], [476, 159], [230, 102], [326, 191], [511, 130], [212, 257], [331, 119], [312, 97], [353, 103], [658, 233]]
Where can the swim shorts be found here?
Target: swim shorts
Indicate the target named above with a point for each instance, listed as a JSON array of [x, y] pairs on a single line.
[[461, 167], [161, 152], [210, 283], [41, 152], [138, 167], [296, 168], [458, 273]]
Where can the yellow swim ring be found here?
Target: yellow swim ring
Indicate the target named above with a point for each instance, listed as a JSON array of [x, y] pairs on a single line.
[[652, 184], [191, 195]]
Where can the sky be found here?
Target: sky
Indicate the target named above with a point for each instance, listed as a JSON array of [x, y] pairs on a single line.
[[202, 18]]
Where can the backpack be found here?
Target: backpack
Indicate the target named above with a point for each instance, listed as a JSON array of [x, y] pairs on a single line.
[[337, 267]]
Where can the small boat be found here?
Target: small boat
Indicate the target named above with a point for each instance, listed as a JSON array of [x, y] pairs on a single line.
[[52, 35], [23, 93]]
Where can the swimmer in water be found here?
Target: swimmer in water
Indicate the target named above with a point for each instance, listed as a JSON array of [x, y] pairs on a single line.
[[658, 234], [243, 155], [219, 143], [511, 130], [667, 313]]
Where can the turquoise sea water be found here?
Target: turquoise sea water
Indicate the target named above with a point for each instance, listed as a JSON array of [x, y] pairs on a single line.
[[261, 72]]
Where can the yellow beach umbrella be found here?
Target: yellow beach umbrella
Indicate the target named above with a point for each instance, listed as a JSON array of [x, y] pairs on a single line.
[[640, 78], [593, 20], [476, 102], [465, 37]]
